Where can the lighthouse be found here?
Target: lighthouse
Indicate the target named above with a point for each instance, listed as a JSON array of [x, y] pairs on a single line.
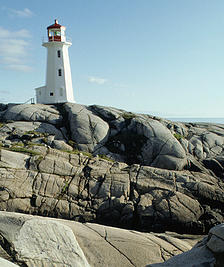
[[58, 88]]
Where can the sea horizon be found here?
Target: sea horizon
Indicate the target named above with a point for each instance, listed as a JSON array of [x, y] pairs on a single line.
[[200, 120]]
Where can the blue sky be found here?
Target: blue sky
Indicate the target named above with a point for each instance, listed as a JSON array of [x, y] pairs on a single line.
[[161, 57]]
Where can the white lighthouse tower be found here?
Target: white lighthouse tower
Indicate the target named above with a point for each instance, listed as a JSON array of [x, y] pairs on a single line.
[[58, 87]]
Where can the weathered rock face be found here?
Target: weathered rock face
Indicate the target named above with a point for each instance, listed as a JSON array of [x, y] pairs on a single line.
[[27, 112], [115, 133], [208, 252], [87, 130], [74, 186], [169, 175], [38, 242]]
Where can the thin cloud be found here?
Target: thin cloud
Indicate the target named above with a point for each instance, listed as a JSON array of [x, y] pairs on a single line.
[[14, 46], [97, 80], [4, 33], [4, 92], [19, 67], [25, 13]]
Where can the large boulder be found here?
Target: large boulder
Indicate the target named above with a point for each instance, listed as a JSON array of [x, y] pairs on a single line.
[[37, 241], [41, 242], [28, 131], [161, 148], [5, 263], [87, 130], [141, 139], [27, 112], [208, 252]]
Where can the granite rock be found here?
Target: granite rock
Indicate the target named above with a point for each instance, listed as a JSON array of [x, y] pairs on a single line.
[[37, 241]]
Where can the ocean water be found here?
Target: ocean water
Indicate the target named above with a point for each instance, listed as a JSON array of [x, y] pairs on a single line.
[[206, 120]]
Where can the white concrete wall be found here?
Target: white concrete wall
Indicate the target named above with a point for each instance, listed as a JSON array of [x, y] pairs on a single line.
[[40, 94], [59, 86]]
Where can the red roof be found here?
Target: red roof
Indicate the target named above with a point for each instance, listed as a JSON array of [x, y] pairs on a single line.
[[55, 25]]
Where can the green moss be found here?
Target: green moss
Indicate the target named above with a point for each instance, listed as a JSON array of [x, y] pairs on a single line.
[[77, 152], [1, 124], [102, 156], [128, 115], [178, 136], [23, 150], [18, 144], [65, 187], [45, 140], [30, 144], [37, 134], [86, 154], [71, 143]]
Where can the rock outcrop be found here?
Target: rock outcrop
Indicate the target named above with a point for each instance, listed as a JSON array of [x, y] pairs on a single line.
[[95, 164], [208, 252], [67, 185], [169, 175], [35, 241]]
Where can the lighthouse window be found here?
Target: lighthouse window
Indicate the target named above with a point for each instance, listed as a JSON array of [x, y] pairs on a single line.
[[59, 53], [51, 93], [59, 72]]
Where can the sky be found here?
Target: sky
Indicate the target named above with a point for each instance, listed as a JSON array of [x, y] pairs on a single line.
[[160, 57]]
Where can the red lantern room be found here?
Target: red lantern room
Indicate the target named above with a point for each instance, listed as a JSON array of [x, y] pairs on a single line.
[[56, 32]]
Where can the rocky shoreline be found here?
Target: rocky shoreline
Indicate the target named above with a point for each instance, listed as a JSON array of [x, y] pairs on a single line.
[[94, 164]]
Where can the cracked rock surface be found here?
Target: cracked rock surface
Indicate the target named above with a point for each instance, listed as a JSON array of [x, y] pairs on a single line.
[[208, 252], [143, 172], [120, 135], [37, 241], [90, 189]]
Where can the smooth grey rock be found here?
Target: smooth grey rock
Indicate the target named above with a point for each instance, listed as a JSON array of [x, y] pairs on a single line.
[[107, 113], [39, 241], [5, 263], [161, 148], [87, 130], [11, 159], [46, 243], [216, 240], [196, 257], [61, 145], [208, 252], [216, 244], [37, 112], [218, 231]]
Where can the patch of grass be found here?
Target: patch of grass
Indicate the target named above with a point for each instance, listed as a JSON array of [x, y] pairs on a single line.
[[178, 136], [86, 154], [18, 144], [71, 143], [102, 156], [23, 150], [65, 187], [45, 140], [1, 124], [30, 144], [37, 134], [77, 152], [128, 115]]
